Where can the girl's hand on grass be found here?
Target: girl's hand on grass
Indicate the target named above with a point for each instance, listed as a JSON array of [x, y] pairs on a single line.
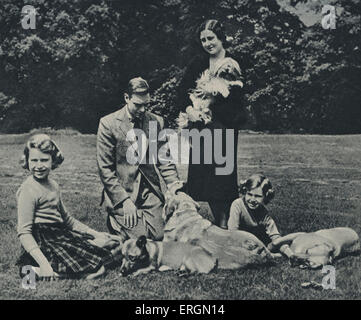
[[47, 273]]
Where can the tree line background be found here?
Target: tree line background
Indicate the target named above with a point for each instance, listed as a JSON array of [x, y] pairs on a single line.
[[74, 67]]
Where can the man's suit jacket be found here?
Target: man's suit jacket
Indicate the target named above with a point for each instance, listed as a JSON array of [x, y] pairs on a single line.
[[121, 179]]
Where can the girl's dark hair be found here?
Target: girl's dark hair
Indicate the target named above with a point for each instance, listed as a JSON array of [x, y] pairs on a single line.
[[44, 143], [255, 181], [216, 27]]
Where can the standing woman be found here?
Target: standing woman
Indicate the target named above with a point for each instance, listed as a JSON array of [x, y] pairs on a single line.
[[210, 96]]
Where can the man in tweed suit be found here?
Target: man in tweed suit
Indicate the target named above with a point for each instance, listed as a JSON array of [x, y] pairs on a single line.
[[132, 192]]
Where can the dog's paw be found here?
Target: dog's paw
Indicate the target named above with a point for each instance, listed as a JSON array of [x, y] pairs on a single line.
[[295, 261], [312, 285], [138, 273], [276, 255], [164, 268], [182, 273]]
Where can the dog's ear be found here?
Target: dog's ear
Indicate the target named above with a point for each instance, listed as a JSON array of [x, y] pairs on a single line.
[[142, 240]]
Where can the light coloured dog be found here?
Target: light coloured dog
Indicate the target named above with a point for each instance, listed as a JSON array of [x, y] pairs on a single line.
[[316, 249], [232, 249], [142, 256]]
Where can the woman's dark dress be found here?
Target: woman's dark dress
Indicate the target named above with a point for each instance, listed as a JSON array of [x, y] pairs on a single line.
[[203, 183]]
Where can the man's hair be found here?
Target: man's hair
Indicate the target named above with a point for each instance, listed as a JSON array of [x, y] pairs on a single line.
[[138, 86]]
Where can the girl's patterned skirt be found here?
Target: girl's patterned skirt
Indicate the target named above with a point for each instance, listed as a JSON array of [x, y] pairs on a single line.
[[69, 254]]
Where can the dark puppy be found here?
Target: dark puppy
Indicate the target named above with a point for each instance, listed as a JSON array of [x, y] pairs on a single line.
[[142, 256]]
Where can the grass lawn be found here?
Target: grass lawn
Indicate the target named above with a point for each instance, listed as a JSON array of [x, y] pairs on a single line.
[[317, 181]]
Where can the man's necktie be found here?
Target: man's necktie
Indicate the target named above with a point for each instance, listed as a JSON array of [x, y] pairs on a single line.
[[136, 122]]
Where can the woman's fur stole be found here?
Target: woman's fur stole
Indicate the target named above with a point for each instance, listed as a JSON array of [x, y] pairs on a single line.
[[226, 75]]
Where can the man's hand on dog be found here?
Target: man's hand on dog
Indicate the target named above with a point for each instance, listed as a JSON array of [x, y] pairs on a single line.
[[173, 189], [130, 214]]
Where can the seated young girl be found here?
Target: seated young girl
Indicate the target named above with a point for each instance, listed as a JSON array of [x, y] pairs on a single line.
[[53, 242], [249, 213]]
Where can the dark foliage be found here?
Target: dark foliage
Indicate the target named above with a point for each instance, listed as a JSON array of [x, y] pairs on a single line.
[[73, 68]]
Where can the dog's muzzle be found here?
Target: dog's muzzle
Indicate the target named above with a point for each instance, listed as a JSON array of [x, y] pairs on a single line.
[[129, 266]]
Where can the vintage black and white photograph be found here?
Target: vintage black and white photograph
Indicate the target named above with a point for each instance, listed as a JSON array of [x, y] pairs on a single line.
[[173, 150]]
